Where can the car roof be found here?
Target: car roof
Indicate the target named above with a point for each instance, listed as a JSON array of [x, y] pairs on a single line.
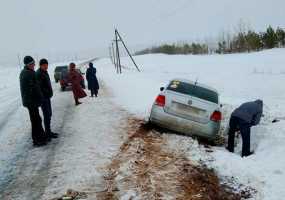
[[195, 83]]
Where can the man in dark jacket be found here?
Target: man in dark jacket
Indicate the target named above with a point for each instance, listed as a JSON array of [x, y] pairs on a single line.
[[46, 89], [32, 99], [242, 119], [93, 84]]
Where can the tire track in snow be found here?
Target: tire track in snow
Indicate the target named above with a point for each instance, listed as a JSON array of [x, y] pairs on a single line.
[[44, 172], [96, 132], [32, 166], [13, 108], [146, 169]]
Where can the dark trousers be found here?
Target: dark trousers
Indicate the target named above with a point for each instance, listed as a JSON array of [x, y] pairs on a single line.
[[38, 134], [47, 113], [94, 92], [237, 124]]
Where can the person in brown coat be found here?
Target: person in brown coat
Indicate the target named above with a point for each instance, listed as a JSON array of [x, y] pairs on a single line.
[[76, 78]]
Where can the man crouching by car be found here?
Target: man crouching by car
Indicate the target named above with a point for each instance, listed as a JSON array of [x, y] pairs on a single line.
[[242, 119], [46, 89], [32, 99]]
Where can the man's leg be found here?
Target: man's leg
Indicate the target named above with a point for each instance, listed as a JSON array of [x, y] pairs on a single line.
[[38, 134], [245, 134], [46, 108], [231, 134], [33, 125], [92, 92]]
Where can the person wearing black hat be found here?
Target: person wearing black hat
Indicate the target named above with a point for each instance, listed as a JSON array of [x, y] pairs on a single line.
[[93, 84], [32, 98], [46, 89]]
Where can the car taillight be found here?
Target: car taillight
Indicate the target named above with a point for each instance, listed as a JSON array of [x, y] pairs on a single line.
[[216, 116], [160, 100]]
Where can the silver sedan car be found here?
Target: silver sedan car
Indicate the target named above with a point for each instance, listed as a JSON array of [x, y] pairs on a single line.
[[188, 107]]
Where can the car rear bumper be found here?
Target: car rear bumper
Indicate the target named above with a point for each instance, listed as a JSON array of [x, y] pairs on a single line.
[[209, 130], [56, 76]]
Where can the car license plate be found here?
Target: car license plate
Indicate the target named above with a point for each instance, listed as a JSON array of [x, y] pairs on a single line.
[[187, 110]]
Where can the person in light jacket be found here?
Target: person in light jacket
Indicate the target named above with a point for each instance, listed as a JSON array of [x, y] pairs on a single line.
[[242, 119]]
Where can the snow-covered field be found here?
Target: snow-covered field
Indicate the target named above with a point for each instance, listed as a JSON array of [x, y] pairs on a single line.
[[238, 78]]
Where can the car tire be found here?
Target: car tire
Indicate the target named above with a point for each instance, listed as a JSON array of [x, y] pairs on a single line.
[[62, 88], [219, 140]]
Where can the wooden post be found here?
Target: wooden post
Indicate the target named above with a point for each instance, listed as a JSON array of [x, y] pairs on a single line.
[[110, 54], [113, 53], [119, 68], [115, 56]]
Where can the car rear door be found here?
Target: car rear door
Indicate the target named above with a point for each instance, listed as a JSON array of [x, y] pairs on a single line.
[[190, 102]]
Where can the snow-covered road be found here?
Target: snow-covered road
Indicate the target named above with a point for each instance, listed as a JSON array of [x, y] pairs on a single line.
[[89, 136]]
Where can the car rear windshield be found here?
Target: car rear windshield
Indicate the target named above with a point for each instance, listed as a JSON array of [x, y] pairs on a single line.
[[193, 90], [61, 68]]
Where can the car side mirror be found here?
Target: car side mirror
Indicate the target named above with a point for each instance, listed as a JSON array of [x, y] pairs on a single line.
[[161, 89], [221, 105]]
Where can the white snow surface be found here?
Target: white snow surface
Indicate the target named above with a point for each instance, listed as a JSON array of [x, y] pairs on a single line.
[[238, 78], [92, 134], [89, 136]]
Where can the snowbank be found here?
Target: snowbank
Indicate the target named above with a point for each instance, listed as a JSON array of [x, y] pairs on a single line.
[[238, 78]]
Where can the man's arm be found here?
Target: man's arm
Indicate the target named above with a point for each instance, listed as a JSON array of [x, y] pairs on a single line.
[[256, 119]]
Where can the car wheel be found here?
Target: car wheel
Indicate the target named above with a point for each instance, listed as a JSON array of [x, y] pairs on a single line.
[[62, 88]]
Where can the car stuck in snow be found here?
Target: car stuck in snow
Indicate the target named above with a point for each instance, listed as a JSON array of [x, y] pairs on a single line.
[[188, 107]]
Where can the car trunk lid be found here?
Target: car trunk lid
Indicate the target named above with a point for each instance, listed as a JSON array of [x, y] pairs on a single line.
[[187, 105]]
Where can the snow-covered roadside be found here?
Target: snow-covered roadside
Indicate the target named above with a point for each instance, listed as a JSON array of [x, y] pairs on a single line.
[[90, 136], [14, 122], [239, 78], [11, 122]]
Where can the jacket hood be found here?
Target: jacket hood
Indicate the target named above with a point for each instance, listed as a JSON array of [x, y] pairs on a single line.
[[259, 102]]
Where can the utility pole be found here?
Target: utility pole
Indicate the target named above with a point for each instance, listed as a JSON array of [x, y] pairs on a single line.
[[113, 53], [119, 67], [121, 39]]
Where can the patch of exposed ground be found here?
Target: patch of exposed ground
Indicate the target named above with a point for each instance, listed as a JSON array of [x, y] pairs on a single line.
[[143, 169]]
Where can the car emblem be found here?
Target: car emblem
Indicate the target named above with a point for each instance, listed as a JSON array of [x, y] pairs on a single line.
[[190, 102]]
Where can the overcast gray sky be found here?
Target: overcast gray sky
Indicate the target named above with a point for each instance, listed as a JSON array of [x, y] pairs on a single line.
[[77, 26]]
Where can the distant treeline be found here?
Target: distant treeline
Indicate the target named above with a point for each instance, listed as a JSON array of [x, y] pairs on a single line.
[[241, 41], [194, 48]]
